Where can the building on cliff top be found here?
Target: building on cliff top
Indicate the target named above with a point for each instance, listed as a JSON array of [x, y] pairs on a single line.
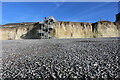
[[118, 17], [17, 24]]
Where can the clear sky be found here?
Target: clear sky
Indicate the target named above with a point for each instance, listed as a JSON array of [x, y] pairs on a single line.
[[15, 12]]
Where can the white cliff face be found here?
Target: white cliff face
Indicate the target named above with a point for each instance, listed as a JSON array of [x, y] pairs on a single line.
[[86, 30], [108, 29], [9, 33], [64, 30], [72, 30]]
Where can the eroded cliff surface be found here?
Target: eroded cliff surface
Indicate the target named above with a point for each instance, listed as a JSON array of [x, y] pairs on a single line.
[[86, 30], [73, 30], [63, 30], [9, 33]]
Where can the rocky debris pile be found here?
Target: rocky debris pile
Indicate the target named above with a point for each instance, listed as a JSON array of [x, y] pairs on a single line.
[[72, 58]]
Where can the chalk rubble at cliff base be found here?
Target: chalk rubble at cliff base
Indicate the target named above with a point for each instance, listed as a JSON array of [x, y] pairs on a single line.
[[61, 58]]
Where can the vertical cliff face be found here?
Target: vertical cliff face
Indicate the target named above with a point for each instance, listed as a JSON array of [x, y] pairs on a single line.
[[86, 30], [72, 30], [106, 29], [63, 30], [8, 33], [32, 31]]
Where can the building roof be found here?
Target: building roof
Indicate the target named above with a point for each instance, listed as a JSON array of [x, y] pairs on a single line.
[[118, 13], [118, 17], [9, 24]]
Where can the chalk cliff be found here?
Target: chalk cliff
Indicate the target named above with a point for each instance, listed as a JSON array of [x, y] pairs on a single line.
[[63, 30], [9, 33], [86, 30]]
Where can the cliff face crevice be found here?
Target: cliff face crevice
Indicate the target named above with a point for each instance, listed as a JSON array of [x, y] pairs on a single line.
[[63, 30]]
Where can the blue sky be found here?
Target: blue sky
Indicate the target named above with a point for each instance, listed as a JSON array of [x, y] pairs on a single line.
[[15, 12]]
